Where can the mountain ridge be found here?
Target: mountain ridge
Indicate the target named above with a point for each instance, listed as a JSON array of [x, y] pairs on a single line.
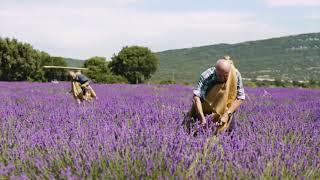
[[283, 58]]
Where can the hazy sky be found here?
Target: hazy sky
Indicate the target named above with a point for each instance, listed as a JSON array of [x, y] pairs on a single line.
[[82, 29]]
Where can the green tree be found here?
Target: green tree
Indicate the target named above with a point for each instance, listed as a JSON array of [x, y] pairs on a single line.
[[98, 68], [135, 63], [296, 83], [19, 61], [279, 83], [312, 83], [99, 71], [39, 73]]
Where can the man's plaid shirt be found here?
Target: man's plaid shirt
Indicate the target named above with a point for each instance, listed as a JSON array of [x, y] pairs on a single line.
[[209, 78]]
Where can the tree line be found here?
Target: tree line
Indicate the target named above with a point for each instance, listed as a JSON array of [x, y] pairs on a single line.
[[21, 62]]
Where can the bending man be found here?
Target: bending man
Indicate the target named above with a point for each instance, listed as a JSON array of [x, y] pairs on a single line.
[[219, 93]]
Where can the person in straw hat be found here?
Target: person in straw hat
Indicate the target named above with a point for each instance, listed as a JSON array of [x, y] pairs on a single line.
[[80, 87], [218, 94]]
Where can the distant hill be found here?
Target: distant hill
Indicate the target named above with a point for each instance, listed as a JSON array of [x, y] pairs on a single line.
[[74, 62], [287, 58]]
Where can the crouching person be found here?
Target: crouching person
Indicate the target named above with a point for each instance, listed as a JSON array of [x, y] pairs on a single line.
[[219, 93], [80, 87]]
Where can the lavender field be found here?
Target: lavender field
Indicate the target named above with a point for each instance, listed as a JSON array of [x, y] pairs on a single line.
[[134, 131]]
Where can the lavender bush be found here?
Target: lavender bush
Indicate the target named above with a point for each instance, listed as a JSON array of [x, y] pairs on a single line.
[[134, 131]]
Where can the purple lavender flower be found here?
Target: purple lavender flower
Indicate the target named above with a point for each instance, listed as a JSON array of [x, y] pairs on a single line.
[[134, 131]]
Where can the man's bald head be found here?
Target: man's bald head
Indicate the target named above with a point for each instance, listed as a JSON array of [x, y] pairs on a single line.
[[223, 68], [223, 65]]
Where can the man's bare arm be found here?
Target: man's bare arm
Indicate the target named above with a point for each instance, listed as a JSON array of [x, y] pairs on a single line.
[[198, 106]]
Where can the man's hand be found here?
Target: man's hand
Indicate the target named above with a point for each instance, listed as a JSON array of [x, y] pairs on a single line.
[[203, 122], [223, 120], [198, 105]]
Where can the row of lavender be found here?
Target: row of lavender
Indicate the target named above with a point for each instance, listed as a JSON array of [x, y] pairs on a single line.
[[134, 131]]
